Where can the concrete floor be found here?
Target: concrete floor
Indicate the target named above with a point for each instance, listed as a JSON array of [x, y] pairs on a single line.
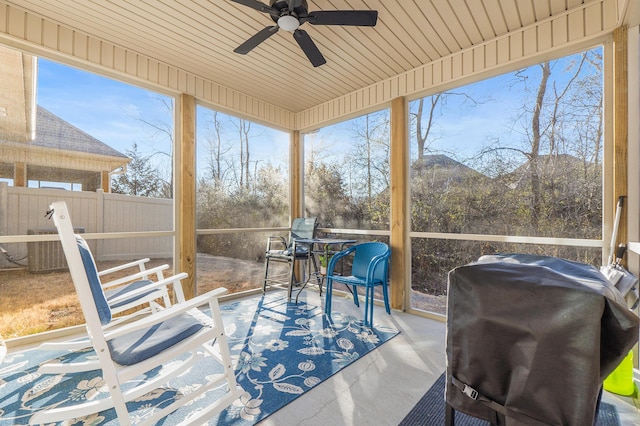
[[384, 385]]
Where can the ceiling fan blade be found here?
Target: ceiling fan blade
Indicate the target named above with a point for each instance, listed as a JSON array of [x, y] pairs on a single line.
[[365, 18], [309, 47], [255, 40], [255, 4]]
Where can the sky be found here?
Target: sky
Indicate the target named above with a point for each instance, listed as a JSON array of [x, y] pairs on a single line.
[[106, 109], [456, 134], [115, 113], [112, 112]]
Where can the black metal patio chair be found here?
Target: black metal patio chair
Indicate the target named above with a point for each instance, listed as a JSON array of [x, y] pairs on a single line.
[[281, 250]]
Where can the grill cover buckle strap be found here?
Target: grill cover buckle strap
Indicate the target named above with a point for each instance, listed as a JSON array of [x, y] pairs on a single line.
[[467, 390], [496, 407], [473, 394], [470, 392], [477, 396]]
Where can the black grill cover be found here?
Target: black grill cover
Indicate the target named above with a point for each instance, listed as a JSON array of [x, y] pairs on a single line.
[[534, 334]]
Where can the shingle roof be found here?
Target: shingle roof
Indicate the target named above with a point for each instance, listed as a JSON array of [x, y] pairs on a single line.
[[54, 132], [441, 161]]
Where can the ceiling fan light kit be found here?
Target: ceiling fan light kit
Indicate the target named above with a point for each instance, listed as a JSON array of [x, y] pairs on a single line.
[[290, 14], [288, 23]]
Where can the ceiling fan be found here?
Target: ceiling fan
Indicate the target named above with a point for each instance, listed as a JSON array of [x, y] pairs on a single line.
[[290, 14]]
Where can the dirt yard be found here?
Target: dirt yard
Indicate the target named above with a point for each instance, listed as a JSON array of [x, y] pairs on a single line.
[[34, 303]]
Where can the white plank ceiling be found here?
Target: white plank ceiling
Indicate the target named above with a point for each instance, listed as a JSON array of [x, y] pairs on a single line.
[[199, 36]]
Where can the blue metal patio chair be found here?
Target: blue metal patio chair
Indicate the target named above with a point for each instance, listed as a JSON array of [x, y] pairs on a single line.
[[370, 268]]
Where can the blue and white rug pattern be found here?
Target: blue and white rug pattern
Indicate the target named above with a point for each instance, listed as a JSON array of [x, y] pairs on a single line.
[[280, 350]]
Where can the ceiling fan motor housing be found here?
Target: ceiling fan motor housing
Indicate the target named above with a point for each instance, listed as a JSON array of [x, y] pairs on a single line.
[[284, 9]]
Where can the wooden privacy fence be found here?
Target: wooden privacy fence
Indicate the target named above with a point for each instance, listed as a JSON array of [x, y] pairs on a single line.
[[22, 212]]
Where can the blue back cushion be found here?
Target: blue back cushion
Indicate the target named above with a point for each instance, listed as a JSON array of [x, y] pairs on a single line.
[[104, 312]]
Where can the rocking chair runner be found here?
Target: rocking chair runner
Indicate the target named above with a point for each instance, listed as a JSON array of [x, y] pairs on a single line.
[[140, 346]]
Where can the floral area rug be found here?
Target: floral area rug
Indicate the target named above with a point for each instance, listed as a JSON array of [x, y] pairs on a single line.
[[280, 351]]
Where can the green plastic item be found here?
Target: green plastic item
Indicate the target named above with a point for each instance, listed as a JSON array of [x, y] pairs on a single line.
[[620, 381]]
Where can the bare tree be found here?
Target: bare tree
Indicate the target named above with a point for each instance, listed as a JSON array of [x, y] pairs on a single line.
[[546, 181], [163, 129], [425, 120], [369, 159], [548, 123], [216, 150], [422, 135], [244, 127], [535, 146]]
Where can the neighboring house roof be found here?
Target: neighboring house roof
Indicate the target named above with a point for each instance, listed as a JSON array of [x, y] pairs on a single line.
[[444, 164], [549, 163], [79, 157], [53, 132], [556, 168], [437, 160]]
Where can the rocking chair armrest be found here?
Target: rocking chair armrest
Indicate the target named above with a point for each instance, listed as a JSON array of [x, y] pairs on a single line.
[[139, 263], [175, 280], [142, 274], [165, 314]]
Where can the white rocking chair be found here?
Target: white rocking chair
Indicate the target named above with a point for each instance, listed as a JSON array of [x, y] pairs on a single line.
[[134, 348], [133, 290]]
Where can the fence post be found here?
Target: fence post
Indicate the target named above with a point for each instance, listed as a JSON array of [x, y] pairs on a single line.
[[99, 222], [4, 217], [4, 213]]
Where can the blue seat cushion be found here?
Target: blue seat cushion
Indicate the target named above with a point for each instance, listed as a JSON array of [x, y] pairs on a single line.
[[140, 345], [123, 290], [102, 306]]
